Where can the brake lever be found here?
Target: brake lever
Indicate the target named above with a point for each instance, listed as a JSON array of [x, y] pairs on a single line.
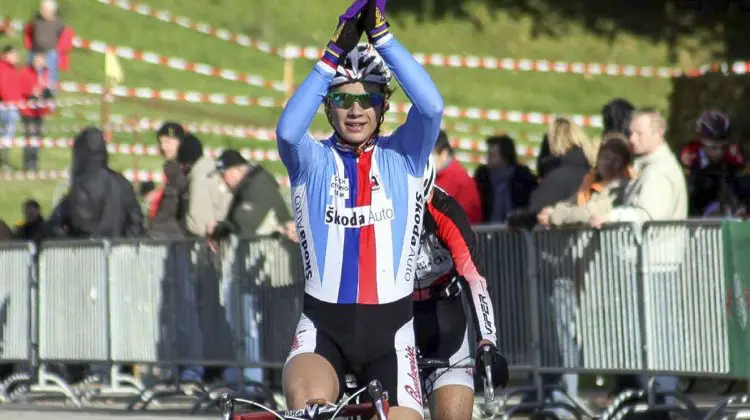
[[489, 389], [375, 389], [226, 405]]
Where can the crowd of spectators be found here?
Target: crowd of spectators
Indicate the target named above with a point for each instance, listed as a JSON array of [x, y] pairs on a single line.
[[200, 196], [27, 87], [575, 171]]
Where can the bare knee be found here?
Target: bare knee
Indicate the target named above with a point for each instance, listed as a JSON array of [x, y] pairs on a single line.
[[306, 377], [404, 413], [452, 402]]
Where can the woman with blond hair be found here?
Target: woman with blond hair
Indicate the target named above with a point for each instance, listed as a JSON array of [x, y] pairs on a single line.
[[575, 153]]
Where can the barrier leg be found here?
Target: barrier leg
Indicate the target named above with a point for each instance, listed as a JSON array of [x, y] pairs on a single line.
[[52, 383]]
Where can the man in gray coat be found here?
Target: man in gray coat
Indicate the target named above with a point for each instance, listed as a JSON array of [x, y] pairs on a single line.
[[658, 193]]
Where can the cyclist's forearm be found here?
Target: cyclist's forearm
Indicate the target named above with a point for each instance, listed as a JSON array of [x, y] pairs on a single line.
[[415, 81], [484, 313], [302, 106]]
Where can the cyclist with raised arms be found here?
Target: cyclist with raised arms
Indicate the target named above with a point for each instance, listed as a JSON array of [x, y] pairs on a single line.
[[448, 262], [358, 203]]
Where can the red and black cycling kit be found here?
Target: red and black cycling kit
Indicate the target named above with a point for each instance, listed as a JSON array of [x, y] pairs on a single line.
[[448, 262]]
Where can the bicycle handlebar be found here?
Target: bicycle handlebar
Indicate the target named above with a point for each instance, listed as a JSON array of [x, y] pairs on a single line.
[[489, 387], [424, 363]]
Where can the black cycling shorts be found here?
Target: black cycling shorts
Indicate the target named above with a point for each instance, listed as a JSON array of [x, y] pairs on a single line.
[[367, 341], [443, 333]]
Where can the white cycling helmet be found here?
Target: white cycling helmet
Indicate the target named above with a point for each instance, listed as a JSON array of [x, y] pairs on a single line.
[[362, 64], [428, 179]]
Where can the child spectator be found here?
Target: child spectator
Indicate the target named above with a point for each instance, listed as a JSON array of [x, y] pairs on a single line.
[[35, 87]]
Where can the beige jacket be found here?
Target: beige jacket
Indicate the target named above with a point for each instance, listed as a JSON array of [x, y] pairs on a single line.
[[600, 204], [658, 192], [209, 197]]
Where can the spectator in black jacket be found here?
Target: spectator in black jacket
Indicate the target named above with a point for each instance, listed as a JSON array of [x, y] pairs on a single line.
[[33, 224], [505, 185], [545, 161], [257, 206], [100, 202], [5, 233], [577, 154]]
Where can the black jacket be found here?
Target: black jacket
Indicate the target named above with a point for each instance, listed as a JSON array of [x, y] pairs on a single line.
[[31, 231], [169, 220], [522, 184], [100, 203], [256, 198], [559, 184]]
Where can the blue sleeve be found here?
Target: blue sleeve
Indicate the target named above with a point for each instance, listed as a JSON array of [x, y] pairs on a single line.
[[417, 136], [297, 148]]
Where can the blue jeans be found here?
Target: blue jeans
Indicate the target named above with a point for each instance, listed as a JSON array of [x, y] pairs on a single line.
[[565, 304], [52, 67], [8, 123], [231, 298]]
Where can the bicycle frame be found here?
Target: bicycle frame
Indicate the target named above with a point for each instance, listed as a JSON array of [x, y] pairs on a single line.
[[315, 410]]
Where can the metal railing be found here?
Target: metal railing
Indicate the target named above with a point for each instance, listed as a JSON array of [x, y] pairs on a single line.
[[617, 300]]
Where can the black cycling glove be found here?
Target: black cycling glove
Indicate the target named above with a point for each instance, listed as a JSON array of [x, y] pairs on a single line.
[[347, 34], [488, 355]]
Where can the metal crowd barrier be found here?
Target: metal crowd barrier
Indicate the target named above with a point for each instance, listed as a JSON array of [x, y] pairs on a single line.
[[620, 300]]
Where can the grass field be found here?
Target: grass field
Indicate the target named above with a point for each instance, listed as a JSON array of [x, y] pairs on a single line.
[[479, 29]]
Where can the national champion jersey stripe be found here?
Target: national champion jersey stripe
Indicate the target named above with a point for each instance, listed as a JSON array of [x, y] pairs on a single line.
[[349, 286], [368, 289]]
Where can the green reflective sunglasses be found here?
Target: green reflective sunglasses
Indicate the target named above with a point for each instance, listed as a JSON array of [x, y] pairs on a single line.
[[347, 100]]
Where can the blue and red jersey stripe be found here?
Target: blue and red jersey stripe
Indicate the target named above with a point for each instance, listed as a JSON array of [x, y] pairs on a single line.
[[359, 257]]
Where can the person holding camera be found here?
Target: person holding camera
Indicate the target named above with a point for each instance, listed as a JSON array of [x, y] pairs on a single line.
[[36, 91]]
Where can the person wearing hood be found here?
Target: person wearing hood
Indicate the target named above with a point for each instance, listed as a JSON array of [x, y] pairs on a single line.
[[46, 34], [10, 95], [100, 202]]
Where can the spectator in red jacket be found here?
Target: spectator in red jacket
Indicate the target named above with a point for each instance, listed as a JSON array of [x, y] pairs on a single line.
[[453, 179], [35, 87], [48, 35], [10, 96]]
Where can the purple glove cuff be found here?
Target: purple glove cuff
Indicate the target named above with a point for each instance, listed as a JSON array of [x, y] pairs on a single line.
[[353, 10], [331, 56]]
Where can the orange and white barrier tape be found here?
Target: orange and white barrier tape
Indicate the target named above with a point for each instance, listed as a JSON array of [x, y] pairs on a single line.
[[439, 60], [255, 154], [157, 176], [265, 102], [204, 28], [49, 103], [178, 64], [132, 175], [122, 124]]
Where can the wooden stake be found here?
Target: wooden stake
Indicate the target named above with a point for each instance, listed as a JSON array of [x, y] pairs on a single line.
[[104, 116], [288, 77]]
